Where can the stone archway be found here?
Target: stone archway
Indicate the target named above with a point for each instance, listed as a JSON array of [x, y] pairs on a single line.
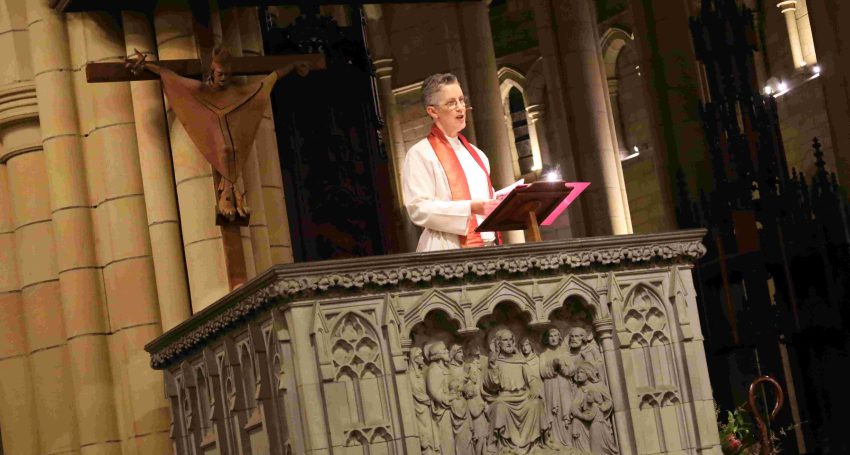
[[524, 138]]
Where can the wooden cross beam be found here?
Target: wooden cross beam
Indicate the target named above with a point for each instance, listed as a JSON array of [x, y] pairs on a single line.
[[242, 66]]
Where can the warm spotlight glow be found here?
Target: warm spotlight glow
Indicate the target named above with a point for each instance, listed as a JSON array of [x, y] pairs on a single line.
[[816, 69], [636, 149], [768, 90], [783, 87], [553, 176]]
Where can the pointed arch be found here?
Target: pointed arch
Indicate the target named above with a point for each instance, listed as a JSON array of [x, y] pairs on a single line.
[[611, 43], [572, 286], [434, 300], [503, 292]]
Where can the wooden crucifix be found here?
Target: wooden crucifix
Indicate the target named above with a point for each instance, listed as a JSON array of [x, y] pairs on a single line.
[[220, 117]]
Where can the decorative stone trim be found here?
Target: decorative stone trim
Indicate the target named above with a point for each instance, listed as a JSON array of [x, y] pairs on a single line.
[[18, 102], [388, 273]]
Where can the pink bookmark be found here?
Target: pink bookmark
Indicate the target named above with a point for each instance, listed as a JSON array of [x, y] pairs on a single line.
[[578, 188]]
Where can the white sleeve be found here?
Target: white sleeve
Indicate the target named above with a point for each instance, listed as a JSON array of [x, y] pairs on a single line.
[[419, 185]]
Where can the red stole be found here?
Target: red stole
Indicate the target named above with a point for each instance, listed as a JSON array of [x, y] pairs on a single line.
[[458, 184]]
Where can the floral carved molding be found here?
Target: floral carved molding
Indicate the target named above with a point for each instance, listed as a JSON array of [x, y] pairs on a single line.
[[282, 284]]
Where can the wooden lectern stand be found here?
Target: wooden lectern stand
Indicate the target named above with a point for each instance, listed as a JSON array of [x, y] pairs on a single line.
[[526, 204]]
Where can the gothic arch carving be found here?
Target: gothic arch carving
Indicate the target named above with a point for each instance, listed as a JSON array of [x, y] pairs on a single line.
[[434, 300], [510, 78], [572, 286], [644, 318], [503, 292], [611, 43]]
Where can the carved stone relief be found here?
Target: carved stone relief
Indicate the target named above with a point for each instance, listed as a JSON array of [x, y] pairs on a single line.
[[511, 386]]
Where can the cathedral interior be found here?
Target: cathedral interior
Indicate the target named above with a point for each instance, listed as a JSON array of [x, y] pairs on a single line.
[[158, 298]]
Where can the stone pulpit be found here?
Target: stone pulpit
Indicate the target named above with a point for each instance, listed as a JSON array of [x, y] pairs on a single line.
[[580, 346]]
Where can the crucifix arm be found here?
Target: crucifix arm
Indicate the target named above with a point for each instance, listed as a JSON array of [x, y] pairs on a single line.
[[138, 63]]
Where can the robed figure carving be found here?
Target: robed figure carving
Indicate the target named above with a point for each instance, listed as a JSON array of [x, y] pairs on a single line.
[[516, 413], [556, 371], [220, 117], [591, 409], [421, 403]]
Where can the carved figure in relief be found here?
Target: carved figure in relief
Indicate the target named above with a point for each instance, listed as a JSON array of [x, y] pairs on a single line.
[[556, 368], [220, 117], [516, 412], [461, 422], [437, 386], [422, 403], [591, 410], [581, 346], [477, 407], [530, 356]]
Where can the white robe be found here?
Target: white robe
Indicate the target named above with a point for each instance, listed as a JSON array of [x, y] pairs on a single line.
[[428, 198]]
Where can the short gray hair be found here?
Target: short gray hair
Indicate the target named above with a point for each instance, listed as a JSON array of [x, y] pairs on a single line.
[[432, 85]]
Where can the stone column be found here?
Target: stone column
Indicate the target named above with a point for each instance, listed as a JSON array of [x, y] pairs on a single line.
[[604, 329], [130, 281], [587, 110], [562, 151], [614, 93], [158, 181], [484, 95], [537, 132], [671, 85], [609, 101], [271, 177], [202, 239], [392, 135], [17, 394], [73, 233], [788, 9]]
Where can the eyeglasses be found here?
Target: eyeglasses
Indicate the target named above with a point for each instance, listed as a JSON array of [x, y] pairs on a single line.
[[453, 104]]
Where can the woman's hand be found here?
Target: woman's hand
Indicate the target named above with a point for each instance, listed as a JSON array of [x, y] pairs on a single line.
[[484, 207]]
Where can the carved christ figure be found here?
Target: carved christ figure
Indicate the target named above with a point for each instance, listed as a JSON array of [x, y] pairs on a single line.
[[220, 117]]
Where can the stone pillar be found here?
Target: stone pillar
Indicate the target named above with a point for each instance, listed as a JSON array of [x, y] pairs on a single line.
[[534, 114], [266, 150], [379, 47], [17, 395], [202, 239], [158, 181], [828, 20], [614, 93], [130, 281], [589, 115], [609, 101], [788, 9], [604, 329], [53, 401], [484, 95], [561, 147], [672, 89], [73, 233]]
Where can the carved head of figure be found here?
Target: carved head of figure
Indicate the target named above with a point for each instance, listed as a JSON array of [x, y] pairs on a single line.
[[577, 337], [525, 347], [417, 359], [220, 71], [436, 351], [504, 342], [585, 371], [552, 338], [456, 354]]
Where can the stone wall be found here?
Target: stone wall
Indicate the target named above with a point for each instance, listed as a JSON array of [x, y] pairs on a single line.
[[410, 353]]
